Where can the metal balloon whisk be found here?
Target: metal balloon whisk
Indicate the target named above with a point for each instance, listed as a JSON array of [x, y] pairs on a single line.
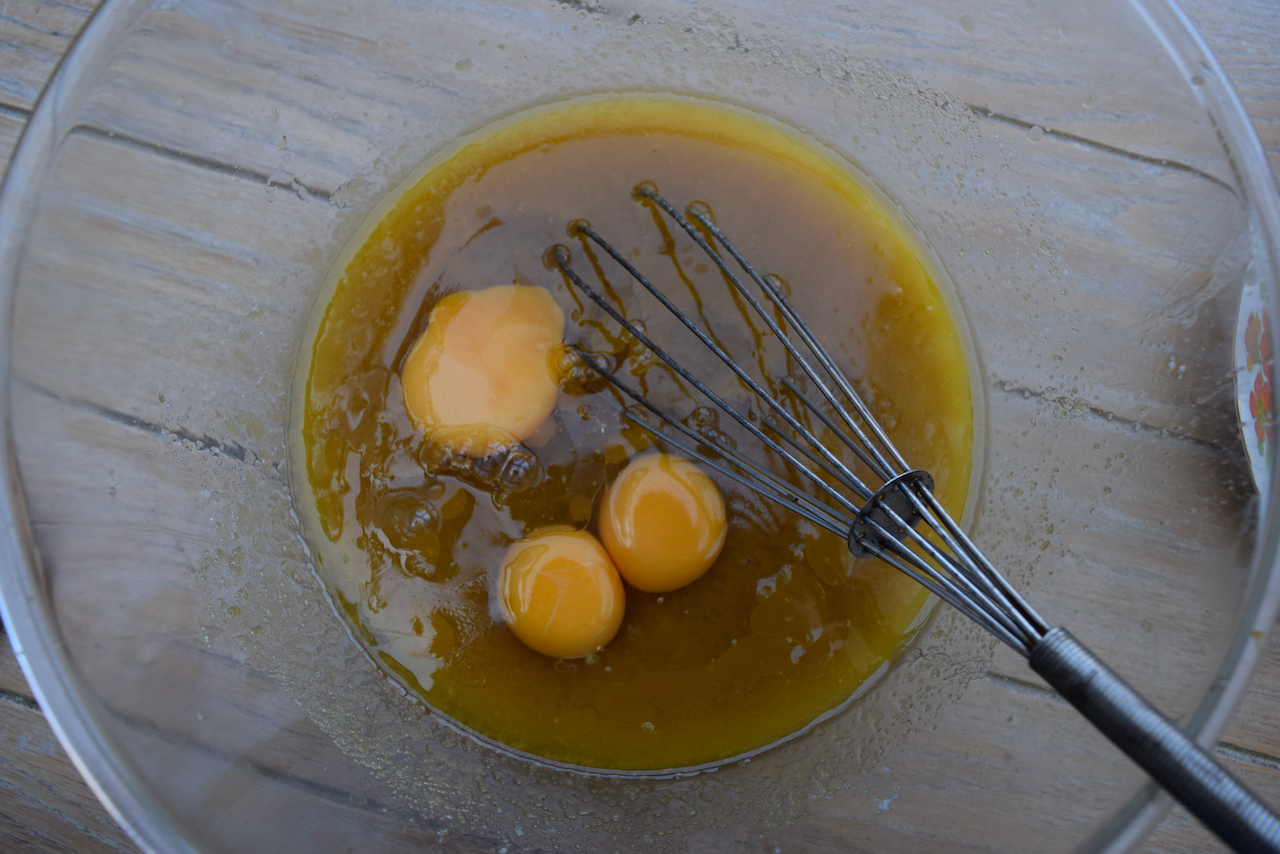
[[883, 519]]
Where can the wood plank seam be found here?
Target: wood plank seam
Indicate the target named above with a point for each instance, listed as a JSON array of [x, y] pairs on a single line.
[[202, 442], [1245, 756], [22, 701], [1085, 142], [1026, 688], [1008, 387], [194, 159]]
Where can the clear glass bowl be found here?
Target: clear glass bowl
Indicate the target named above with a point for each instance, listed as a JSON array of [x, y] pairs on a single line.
[[1084, 177]]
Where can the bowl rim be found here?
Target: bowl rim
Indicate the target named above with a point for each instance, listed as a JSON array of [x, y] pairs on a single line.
[[72, 711], [1261, 598]]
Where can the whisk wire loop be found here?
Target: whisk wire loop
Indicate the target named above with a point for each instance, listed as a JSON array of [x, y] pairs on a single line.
[[1030, 626], [959, 544], [1017, 629], [966, 564], [767, 284]]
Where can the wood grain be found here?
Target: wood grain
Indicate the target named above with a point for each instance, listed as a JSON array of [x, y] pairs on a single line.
[[46, 807], [36, 33]]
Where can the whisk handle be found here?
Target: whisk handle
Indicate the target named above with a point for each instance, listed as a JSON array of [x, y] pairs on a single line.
[[1173, 760]]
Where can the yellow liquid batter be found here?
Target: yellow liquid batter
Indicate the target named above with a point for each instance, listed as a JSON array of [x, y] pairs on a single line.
[[409, 536]]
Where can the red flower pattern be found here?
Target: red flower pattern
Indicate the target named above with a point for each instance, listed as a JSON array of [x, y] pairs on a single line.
[[1257, 339], [1260, 407]]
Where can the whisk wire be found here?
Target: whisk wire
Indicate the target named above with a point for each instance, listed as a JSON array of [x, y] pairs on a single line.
[[968, 566], [876, 465], [941, 587], [961, 546], [561, 257], [979, 596], [856, 444], [562, 261], [980, 579], [881, 466], [774, 488], [946, 576], [812, 457], [779, 490], [780, 301], [1016, 629]]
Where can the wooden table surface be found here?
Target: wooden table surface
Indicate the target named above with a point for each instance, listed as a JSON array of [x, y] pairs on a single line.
[[45, 806]]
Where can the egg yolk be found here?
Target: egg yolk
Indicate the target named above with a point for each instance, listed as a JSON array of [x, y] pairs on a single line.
[[478, 377], [663, 522], [560, 593]]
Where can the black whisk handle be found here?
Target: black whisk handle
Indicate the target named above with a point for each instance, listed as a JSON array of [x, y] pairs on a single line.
[[1173, 760]]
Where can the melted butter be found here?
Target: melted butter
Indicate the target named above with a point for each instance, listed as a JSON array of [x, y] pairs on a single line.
[[409, 534]]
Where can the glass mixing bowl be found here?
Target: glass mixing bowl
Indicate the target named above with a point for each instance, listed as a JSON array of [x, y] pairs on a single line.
[[1083, 176]]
